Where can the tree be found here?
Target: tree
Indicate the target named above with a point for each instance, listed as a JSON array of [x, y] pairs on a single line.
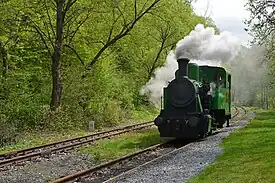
[[161, 30], [56, 75], [39, 17], [261, 23], [125, 28]]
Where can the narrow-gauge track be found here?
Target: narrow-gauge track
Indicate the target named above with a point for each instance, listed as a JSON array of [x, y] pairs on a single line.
[[97, 173], [45, 150], [239, 115]]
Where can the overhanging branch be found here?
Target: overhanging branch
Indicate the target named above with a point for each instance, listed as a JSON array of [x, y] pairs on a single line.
[[124, 31]]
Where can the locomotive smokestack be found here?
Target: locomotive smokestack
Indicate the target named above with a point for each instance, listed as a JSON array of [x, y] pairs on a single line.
[[183, 67]]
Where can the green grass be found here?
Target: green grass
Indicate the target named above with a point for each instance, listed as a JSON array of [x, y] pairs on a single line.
[[123, 144], [249, 155], [36, 139]]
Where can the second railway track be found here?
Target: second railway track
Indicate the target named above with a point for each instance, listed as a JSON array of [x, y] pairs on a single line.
[[45, 150]]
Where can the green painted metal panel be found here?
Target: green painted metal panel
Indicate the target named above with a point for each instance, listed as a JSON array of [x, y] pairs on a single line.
[[193, 71]]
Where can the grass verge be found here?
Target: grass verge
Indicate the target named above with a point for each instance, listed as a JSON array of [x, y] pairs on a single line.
[[249, 154], [122, 145]]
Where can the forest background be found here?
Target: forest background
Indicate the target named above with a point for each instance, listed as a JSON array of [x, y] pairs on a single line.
[[67, 62]]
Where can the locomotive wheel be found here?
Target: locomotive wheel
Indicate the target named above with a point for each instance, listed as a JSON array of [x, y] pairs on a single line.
[[221, 122], [202, 135]]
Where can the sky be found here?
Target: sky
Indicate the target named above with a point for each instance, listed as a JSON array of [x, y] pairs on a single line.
[[228, 15]]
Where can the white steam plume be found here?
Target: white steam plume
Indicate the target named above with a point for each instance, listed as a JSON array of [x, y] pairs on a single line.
[[201, 46]]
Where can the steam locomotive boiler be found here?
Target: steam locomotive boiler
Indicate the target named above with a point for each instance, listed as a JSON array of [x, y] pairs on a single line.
[[191, 107]]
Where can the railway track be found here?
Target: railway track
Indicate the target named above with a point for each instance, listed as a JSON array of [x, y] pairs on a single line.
[[236, 112], [47, 149], [66, 145], [102, 172], [96, 174], [239, 115]]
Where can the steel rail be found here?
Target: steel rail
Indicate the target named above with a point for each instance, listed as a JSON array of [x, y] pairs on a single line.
[[42, 150], [236, 113], [107, 164]]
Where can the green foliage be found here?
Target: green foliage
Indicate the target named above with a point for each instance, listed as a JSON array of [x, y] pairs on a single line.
[[109, 93], [261, 23], [261, 26]]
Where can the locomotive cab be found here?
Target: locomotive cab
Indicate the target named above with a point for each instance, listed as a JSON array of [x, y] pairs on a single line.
[[220, 81]]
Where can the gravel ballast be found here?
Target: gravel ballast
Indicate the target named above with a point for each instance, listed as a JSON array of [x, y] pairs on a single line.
[[45, 170], [184, 163]]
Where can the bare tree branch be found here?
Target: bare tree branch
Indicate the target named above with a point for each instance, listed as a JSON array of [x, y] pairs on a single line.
[[164, 34], [262, 20], [75, 52], [95, 42], [41, 35], [207, 10], [49, 17], [73, 33]]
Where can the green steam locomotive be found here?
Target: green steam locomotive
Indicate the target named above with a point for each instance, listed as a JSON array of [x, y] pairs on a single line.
[[196, 102]]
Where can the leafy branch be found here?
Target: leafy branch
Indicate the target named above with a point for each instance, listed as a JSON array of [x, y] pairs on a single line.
[[125, 30]]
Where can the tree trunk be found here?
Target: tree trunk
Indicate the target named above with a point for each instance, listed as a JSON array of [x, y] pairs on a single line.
[[56, 73], [3, 54], [266, 97]]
